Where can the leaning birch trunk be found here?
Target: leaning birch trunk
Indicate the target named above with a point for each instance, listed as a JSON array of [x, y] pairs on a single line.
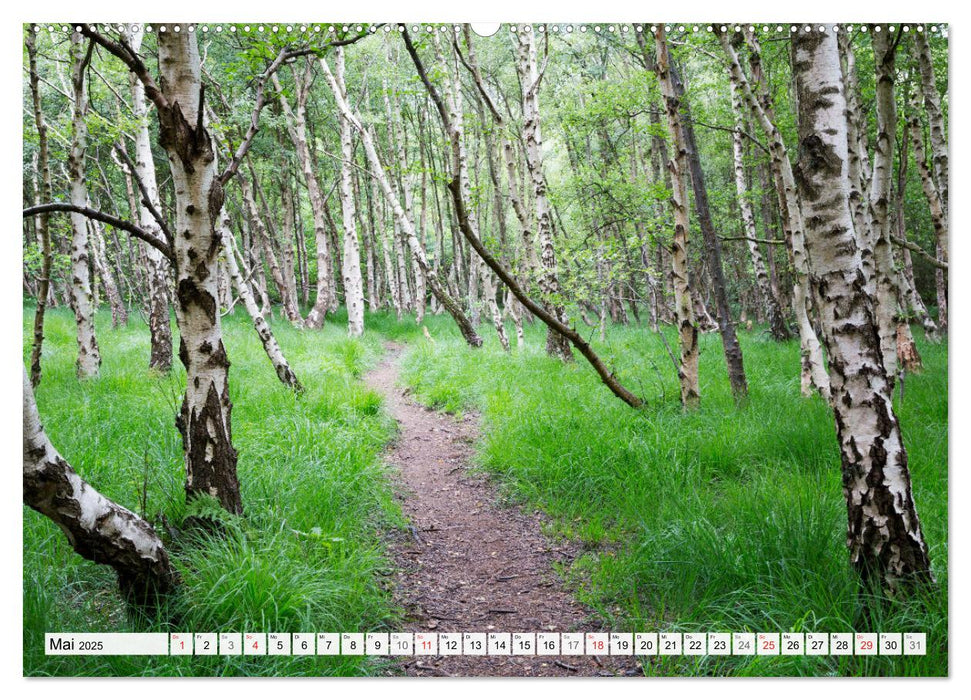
[[813, 369], [353, 287], [43, 225], [205, 416], [240, 275], [884, 533], [159, 326], [89, 355], [886, 291], [417, 252], [549, 283], [98, 529], [678, 167], [770, 304]]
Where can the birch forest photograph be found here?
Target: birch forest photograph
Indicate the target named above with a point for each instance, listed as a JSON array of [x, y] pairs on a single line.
[[404, 349]]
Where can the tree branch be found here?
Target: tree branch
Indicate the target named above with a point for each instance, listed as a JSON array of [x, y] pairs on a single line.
[[920, 251], [121, 224]]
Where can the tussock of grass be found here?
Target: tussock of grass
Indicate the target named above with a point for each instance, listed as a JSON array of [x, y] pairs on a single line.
[[306, 557], [726, 519]]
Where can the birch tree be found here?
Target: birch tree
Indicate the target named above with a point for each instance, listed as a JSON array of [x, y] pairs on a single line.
[[89, 355], [353, 288], [884, 535], [43, 195], [326, 299], [770, 302], [549, 283], [159, 326], [97, 528], [677, 166]]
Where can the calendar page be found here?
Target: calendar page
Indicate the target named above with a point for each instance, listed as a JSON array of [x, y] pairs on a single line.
[[554, 349]]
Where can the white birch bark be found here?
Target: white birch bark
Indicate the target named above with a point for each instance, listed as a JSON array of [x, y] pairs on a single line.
[[678, 168], [326, 299], [205, 416], [97, 528], [935, 116], [353, 287], [89, 355], [240, 274], [884, 534], [770, 304], [886, 291], [160, 328], [549, 283]]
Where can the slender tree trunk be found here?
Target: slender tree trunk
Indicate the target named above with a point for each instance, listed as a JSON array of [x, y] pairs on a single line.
[[549, 283], [119, 312], [353, 289], [770, 304], [326, 299], [240, 274], [856, 143], [884, 535], [157, 268], [98, 529], [726, 325], [89, 355], [43, 225], [677, 166], [909, 298], [287, 294], [461, 215]]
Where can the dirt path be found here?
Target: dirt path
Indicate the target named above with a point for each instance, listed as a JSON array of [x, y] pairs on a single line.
[[469, 564]]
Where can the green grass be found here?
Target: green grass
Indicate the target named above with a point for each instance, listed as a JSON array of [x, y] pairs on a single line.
[[308, 554], [725, 519]]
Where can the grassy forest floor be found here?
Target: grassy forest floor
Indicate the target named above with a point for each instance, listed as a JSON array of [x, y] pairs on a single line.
[[727, 519]]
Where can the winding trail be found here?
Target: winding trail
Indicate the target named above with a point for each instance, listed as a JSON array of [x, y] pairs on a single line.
[[470, 564]]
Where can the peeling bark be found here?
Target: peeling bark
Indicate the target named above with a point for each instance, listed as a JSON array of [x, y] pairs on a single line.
[[884, 535], [97, 529], [204, 419], [677, 166]]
